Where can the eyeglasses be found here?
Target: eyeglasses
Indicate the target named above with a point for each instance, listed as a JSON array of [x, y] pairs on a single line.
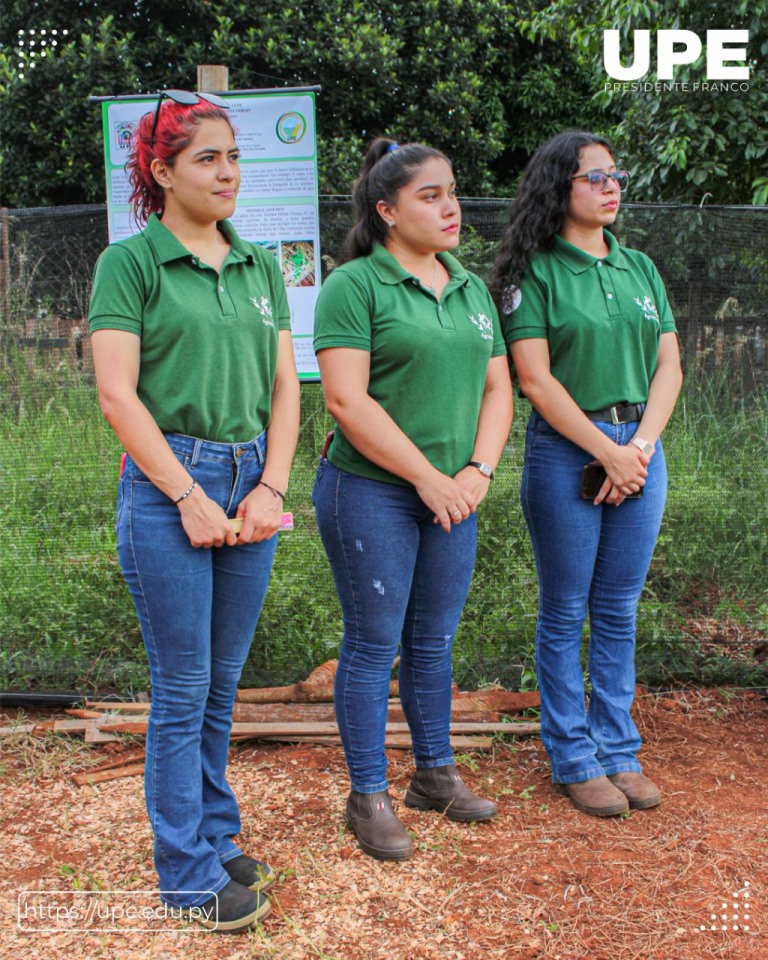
[[597, 179], [187, 98]]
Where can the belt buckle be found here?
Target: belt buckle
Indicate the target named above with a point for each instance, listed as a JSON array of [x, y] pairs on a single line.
[[615, 416]]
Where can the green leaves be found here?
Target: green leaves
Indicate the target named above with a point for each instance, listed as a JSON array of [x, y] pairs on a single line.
[[485, 80]]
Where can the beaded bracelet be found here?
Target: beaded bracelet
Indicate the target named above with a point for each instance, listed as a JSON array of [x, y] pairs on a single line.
[[186, 492], [272, 490]]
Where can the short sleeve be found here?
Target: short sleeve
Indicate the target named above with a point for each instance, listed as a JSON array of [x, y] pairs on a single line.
[[499, 346], [666, 319], [278, 289], [529, 316], [119, 294], [343, 313]]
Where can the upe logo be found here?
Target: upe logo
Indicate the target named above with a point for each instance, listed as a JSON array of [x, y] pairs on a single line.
[[675, 48]]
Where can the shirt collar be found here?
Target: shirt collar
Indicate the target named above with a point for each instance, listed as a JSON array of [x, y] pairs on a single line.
[[166, 246], [388, 270], [577, 261]]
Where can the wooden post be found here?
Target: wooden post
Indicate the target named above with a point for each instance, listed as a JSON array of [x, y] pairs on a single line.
[[212, 78]]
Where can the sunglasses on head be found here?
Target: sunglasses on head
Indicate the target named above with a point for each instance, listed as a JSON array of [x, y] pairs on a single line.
[[187, 98], [597, 179]]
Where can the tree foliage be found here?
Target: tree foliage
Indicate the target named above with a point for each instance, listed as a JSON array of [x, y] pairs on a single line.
[[457, 74], [681, 144], [485, 80]]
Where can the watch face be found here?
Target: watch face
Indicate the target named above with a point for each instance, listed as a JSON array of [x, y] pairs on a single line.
[[643, 445], [485, 469]]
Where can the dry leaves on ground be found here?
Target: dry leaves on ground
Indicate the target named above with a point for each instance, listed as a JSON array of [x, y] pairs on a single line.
[[685, 881]]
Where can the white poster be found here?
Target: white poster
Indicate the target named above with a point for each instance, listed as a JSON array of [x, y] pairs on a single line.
[[277, 205]]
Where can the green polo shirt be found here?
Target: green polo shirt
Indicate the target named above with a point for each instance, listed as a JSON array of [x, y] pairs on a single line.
[[429, 358], [208, 340], [603, 318]]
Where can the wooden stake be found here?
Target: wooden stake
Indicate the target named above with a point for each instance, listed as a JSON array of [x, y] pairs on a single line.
[[212, 78]]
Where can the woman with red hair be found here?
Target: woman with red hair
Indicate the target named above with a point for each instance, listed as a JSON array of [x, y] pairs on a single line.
[[194, 365]]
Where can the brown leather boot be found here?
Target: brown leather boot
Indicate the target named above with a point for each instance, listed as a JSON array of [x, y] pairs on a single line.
[[380, 834], [598, 797], [441, 788], [638, 789]]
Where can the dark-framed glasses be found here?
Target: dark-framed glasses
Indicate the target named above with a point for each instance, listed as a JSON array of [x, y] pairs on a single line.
[[597, 179], [187, 98]]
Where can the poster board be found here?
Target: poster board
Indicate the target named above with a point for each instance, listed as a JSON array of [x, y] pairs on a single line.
[[277, 206]]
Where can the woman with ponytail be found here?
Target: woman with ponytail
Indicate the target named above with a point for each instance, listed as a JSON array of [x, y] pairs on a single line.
[[194, 365], [414, 373], [595, 350]]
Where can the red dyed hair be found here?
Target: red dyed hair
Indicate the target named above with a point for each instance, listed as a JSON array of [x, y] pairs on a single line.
[[175, 128]]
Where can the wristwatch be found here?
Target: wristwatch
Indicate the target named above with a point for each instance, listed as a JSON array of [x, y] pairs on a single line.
[[485, 468], [643, 445]]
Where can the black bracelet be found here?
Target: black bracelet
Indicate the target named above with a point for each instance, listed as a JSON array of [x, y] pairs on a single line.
[[272, 490]]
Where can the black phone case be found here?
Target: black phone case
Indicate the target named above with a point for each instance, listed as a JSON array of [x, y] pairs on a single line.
[[593, 477]]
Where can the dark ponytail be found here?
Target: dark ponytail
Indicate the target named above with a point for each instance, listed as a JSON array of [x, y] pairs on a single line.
[[387, 168]]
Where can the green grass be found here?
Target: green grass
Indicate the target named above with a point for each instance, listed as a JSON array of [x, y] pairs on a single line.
[[67, 622]]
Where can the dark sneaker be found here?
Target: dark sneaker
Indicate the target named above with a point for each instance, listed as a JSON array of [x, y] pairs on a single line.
[[380, 834], [638, 789], [598, 797], [250, 873], [232, 909], [442, 789]]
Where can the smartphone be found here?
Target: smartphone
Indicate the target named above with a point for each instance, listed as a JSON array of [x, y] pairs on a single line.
[[593, 476]]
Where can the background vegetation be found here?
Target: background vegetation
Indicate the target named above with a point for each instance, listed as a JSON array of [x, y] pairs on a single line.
[[66, 619], [486, 80]]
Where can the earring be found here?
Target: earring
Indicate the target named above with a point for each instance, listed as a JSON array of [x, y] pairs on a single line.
[[390, 223]]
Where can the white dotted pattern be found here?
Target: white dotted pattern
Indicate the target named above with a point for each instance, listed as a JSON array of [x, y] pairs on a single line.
[[738, 920]]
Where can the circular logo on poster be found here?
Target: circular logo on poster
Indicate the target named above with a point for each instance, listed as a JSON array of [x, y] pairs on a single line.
[[291, 127]]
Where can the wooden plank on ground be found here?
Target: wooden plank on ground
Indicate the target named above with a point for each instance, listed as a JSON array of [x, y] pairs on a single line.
[[16, 728], [301, 692], [290, 712], [128, 770], [117, 706], [395, 741]]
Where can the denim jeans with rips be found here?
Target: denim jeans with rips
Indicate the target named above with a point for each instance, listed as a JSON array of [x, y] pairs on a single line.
[[402, 582]]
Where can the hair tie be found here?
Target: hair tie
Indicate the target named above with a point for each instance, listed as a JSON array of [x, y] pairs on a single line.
[[392, 147]]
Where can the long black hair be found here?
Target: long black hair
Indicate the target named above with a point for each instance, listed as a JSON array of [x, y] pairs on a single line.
[[538, 211], [387, 168]]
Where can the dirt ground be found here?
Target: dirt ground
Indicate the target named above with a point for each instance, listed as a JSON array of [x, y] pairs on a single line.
[[685, 881]]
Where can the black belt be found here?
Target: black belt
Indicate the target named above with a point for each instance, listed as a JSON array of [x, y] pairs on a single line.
[[621, 413]]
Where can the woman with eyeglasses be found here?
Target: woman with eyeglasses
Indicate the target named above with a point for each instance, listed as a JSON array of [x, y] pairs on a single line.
[[194, 365], [594, 346], [415, 374]]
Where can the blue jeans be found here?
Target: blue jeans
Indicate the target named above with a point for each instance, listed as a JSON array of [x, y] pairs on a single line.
[[198, 609], [402, 581], [588, 559]]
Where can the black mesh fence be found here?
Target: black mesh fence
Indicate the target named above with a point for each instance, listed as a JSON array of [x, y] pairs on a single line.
[[67, 622]]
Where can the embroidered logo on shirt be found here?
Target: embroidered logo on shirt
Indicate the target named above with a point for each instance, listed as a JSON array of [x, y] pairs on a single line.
[[649, 308], [484, 324], [265, 309]]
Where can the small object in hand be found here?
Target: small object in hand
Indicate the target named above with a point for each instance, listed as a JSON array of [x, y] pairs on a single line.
[[593, 476], [286, 522]]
